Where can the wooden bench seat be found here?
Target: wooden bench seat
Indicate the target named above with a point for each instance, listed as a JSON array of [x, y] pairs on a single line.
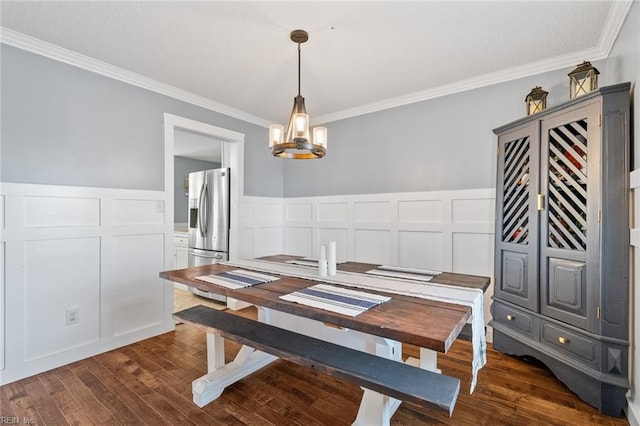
[[388, 377]]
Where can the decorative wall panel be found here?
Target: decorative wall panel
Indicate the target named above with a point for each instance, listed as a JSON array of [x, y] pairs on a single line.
[[420, 211], [1, 211], [131, 298], [59, 275], [372, 246], [60, 211], [473, 211], [137, 212], [2, 304], [372, 211], [92, 254], [300, 241], [268, 212], [472, 253], [340, 236], [420, 249], [267, 241], [302, 212], [332, 212]]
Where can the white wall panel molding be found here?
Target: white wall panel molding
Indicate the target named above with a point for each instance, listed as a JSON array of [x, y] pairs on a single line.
[[634, 183], [408, 229], [2, 306], [634, 282], [42, 211], [261, 225], [92, 254], [442, 230]]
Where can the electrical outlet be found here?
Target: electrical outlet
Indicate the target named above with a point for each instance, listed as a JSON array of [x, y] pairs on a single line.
[[73, 316]]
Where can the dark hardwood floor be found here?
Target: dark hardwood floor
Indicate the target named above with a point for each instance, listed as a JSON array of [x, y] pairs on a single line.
[[150, 383]]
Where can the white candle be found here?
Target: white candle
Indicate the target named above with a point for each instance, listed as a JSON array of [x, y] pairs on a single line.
[[322, 267], [332, 258]]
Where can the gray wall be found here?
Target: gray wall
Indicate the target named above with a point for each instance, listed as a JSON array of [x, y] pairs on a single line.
[[444, 143], [181, 169], [623, 64], [62, 125]]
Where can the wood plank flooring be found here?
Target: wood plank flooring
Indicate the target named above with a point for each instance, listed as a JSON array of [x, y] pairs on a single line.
[[149, 383]]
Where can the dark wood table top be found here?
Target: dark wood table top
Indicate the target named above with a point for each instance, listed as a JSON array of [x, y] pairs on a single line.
[[448, 278], [422, 322]]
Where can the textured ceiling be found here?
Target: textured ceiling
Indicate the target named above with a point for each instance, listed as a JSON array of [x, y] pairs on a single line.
[[361, 56]]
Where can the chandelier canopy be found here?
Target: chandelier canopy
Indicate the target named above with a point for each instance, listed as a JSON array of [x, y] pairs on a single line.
[[297, 142]]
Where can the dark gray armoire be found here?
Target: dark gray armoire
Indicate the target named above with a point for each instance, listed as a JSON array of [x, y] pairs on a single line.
[[562, 243]]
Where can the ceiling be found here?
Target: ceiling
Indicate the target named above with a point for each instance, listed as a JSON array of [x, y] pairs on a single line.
[[196, 146], [237, 58]]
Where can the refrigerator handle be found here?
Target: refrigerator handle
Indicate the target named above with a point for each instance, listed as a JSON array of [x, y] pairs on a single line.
[[201, 210], [206, 210]]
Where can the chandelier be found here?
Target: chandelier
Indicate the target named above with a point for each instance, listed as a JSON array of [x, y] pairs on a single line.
[[297, 143]]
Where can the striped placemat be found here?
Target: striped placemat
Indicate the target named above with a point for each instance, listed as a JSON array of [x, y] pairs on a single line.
[[238, 278], [404, 273], [336, 299]]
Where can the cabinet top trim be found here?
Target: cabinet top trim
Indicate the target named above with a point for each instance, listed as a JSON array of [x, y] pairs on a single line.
[[602, 91]]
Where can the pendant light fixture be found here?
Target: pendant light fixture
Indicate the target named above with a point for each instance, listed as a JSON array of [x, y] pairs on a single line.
[[297, 143]]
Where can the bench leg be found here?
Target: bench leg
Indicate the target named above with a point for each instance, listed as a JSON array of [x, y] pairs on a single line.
[[376, 408], [215, 352], [210, 386]]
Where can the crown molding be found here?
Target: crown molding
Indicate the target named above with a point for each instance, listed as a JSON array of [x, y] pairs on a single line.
[[615, 20], [613, 25], [527, 70], [42, 48]]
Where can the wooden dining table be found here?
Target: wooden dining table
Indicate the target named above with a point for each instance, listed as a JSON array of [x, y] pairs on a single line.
[[429, 324]]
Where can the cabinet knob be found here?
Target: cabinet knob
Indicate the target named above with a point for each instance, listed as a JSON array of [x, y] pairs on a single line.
[[510, 317], [563, 340]]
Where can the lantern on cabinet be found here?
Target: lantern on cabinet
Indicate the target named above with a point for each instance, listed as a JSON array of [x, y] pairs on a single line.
[[582, 80], [536, 100]]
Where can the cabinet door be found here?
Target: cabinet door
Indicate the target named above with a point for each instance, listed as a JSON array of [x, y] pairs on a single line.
[[569, 229], [516, 234], [181, 258]]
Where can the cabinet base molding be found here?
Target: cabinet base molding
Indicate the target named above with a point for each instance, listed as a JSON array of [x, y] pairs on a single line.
[[606, 395]]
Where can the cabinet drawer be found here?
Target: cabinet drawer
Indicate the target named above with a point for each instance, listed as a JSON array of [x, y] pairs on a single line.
[[517, 319], [582, 347], [180, 240]]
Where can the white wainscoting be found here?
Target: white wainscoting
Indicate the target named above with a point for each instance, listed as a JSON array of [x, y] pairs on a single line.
[[93, 250], [442, 230], [633, 407], [261, 227]]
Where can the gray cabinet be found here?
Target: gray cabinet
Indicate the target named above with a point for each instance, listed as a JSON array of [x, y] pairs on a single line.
[[562, 243]]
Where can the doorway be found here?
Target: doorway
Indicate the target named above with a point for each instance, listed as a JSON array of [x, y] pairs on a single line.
[[227, 147]]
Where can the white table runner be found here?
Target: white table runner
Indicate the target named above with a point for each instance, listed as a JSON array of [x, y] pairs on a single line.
[[471, 297]]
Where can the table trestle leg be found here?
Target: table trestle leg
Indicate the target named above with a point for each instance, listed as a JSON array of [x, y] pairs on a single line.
[[210, 386], [428, 360], [376, 408]]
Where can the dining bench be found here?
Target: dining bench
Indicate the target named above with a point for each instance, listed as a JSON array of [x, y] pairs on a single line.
[[385, 376]]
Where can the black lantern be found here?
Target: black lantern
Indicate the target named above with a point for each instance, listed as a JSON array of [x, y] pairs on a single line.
[[582, 80], [536, 100]]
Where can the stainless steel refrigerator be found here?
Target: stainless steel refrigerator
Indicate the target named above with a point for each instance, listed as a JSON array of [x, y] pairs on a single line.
[[208, 220]]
